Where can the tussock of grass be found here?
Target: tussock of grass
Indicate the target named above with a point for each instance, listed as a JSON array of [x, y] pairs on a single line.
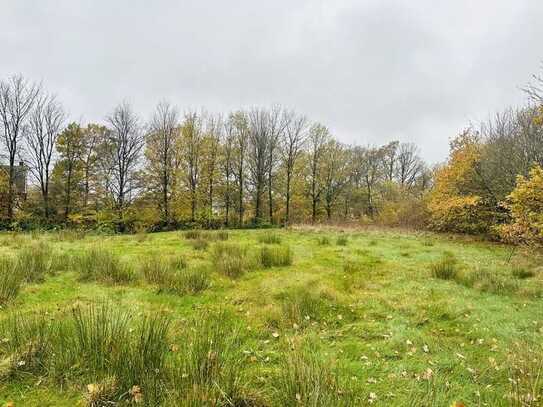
[[275, 256], [199, 244], [98, 264], [96, 345], [306, 378], [491, 281], [185, 281], [301, 305], [323, 241], [446, 268], [155, 269], [70, 235], [10, 280], [269, 238], [35, 261], [522, 273], [230, 259], [209, 369], [192, 234], [342, 240]]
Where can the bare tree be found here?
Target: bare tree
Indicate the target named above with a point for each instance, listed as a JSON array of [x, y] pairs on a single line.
[[17, 97], [213, 137], [227, 163], [335, 175], [390, 158], [124, 143], [192, 139], [240, 123], [277, 124], [409, 164], [94, 137], [259, 136], [292, 144], [370, 160], [162, 137], [318, 137], [45, 123]]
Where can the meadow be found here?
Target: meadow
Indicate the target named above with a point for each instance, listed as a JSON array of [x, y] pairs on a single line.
[[299, 317]]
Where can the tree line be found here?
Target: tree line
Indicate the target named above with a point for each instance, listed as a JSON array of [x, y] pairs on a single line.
[[255, 166], [249, 167]]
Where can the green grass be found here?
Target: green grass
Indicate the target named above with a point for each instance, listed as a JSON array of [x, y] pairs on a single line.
[[388, 319]]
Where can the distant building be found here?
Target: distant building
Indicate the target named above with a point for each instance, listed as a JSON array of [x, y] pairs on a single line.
[[20, 183]]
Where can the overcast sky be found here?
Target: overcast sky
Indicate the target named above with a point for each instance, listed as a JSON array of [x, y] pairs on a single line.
[[371, 70]]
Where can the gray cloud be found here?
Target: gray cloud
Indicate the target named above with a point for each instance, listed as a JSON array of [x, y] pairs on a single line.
[[371, 70]]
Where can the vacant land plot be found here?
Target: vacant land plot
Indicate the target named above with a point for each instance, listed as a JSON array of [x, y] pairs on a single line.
[[268, 318]]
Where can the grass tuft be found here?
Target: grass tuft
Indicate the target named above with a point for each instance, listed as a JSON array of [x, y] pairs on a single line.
[[269, 238], [342, 240], [446, 268], [35, 261], [98, 264], [230, 259], [275, 256], [323, 241], [306, 379], [10, 280]]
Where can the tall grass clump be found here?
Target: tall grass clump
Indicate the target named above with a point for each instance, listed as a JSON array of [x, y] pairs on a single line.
[[10, 280], [98, 344], [98, 264], [342, 240], [70, 235], [230, 259], [306, 379], [35, 261], [199, 244], [446, 268], [185, 281], [210, 364], [275, 256], [491, 281], [192, 234], [269, 238], [156, 269], [323, 241], [301, 304]]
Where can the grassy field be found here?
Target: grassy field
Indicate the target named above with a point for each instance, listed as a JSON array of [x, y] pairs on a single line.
[[268, 318]]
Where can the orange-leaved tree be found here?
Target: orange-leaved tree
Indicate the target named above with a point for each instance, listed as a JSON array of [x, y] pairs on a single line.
[[460, 201]]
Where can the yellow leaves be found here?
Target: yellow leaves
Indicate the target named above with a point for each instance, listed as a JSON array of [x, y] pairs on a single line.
[[526, 205]]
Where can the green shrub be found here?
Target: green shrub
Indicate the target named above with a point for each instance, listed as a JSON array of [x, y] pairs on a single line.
[[98, 264], [230, 259], [269, 238], [275, 256], [306, 378], [35, 261], [10, 280], [446, 268], [342, 240]]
